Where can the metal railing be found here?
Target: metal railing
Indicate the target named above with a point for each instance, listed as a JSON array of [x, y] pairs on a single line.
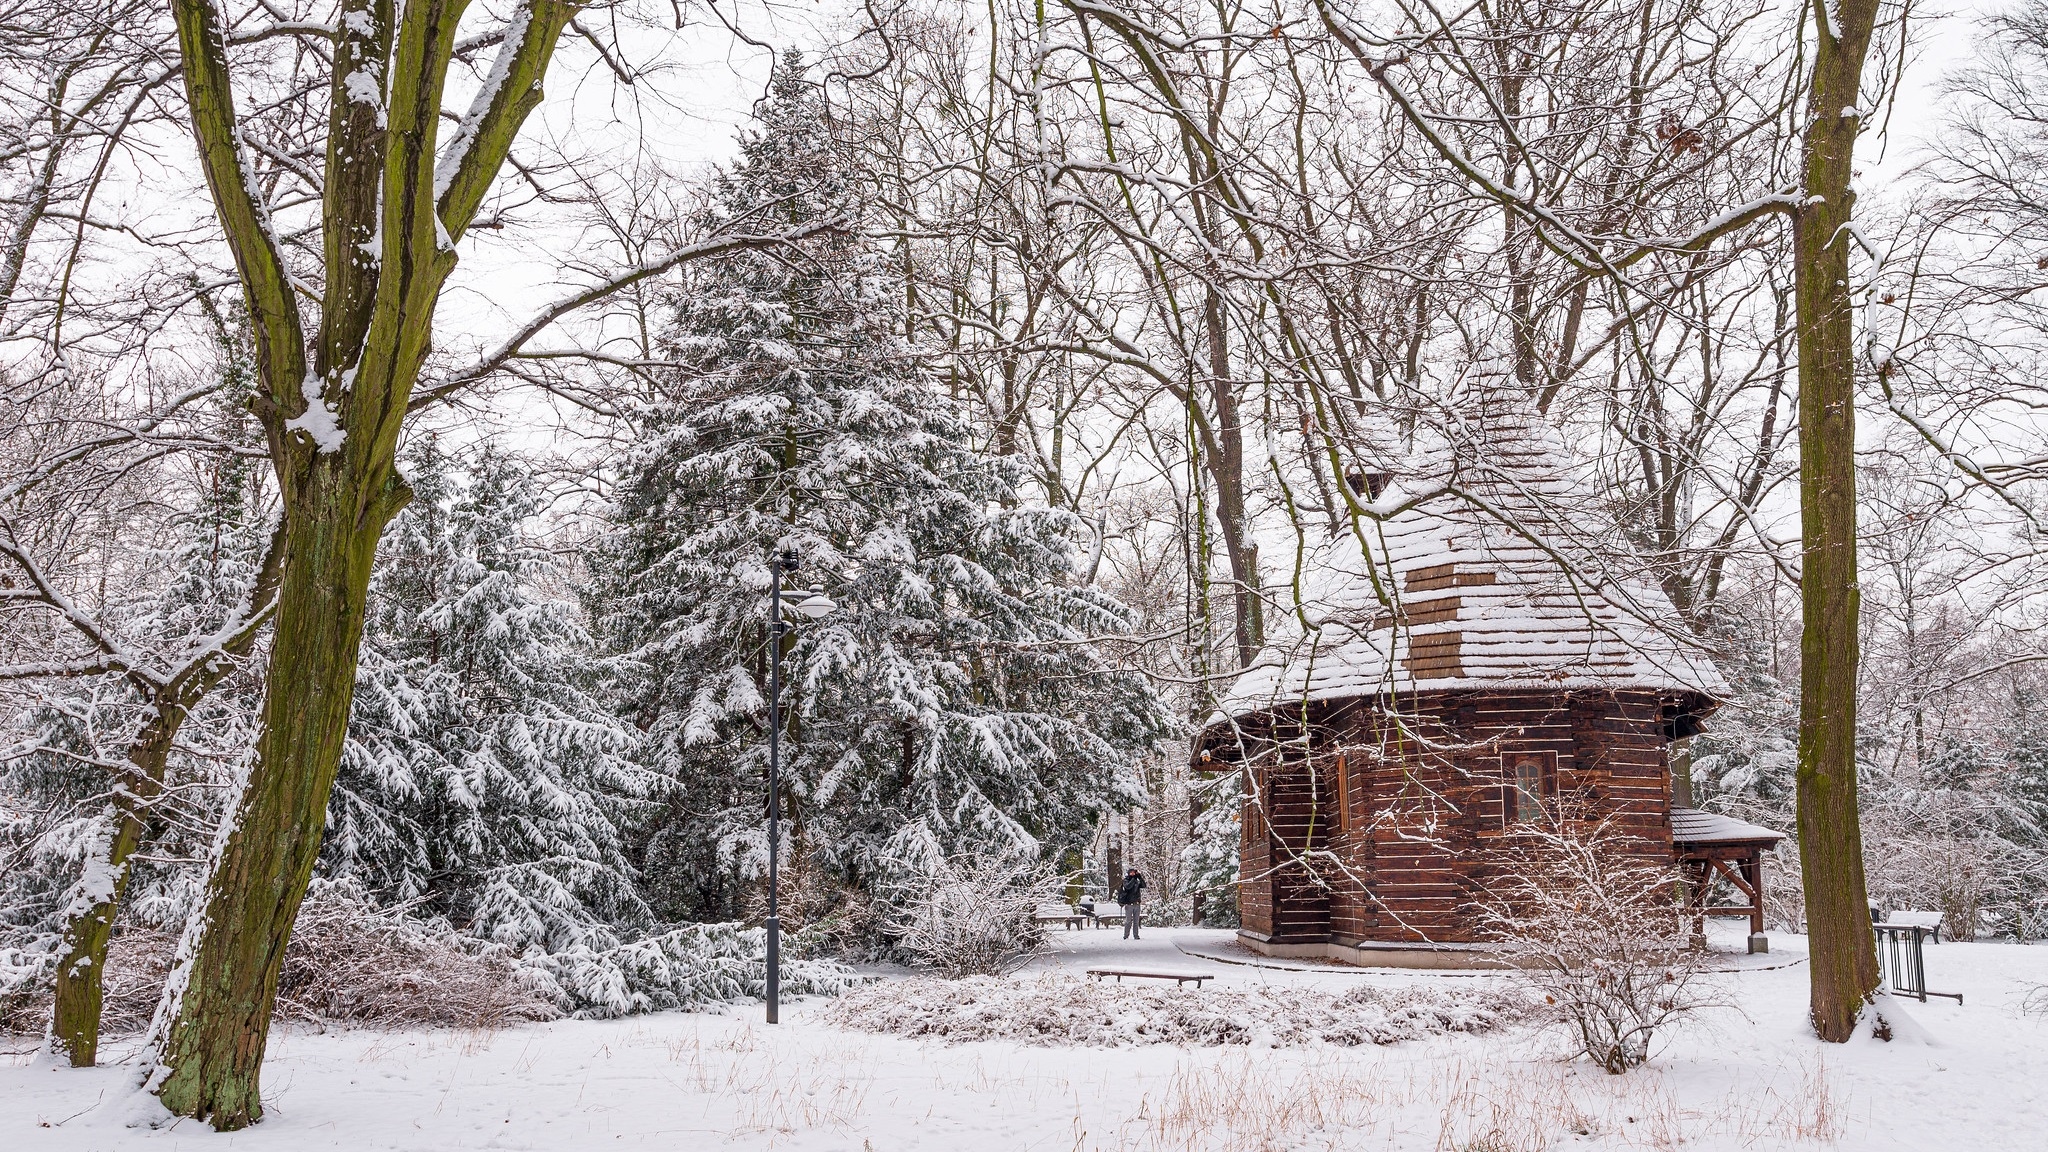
[[1901, 963]]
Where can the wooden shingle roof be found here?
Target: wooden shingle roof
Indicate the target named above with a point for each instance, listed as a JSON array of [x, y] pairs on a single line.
[[1691, 827], [1505, 578]]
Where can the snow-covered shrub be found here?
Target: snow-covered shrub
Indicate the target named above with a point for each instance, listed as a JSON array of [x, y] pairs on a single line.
[[352, 962], [1059, 1010], [137, 960], [688, 967], [974, 916], [1596, 930], [24, 982]]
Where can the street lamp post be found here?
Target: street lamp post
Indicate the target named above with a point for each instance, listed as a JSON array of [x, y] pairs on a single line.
[[811, 607]]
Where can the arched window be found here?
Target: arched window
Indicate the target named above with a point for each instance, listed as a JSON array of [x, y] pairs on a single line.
[[1530, 779]]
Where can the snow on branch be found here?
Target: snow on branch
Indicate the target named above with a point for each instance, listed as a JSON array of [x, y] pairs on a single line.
[[82, 666], [312, 28], [467, 131], [1776, 203], [45, 592], [1948, 451]]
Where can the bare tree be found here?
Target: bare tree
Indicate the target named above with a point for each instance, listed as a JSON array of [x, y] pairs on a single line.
[[80, 455]]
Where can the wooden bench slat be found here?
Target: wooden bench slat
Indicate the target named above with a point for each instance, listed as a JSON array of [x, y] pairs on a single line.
[[1176, 977]]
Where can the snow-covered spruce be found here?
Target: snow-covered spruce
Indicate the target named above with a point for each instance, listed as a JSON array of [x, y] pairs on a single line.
[[482, 781], [1059, 1009], [486, 785], [1211, 857], [956, 701]]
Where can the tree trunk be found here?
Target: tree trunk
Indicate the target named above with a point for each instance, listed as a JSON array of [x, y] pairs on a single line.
[[336, 473], [75, 1018], [213, 1049], [1843, 970], [1226, 468]]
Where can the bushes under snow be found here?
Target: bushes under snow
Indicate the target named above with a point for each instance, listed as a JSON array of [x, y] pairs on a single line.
[[974, 917], [352, 963], [1058, 1010], [687, 967], [1592, 923], [349, 963]]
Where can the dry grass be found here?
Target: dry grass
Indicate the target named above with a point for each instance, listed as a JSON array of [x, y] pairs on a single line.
[[774, 1091], [1249, 1102], [348, 964]]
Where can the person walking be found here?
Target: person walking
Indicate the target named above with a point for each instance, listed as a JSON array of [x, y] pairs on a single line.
[[1128, 895]]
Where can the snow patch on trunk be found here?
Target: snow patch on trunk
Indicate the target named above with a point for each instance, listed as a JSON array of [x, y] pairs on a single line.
[[320, 422]]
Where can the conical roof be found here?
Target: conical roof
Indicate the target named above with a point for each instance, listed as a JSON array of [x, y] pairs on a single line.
[[1501, 574]]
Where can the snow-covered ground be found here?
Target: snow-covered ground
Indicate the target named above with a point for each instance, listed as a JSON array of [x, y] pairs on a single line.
[[1749, 1078]]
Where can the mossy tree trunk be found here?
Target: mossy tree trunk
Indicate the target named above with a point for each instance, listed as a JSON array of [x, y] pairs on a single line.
[[333, 413], [89, 923], [1843, 970]]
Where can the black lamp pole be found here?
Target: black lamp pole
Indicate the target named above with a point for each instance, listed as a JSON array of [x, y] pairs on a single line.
[[783, 565]]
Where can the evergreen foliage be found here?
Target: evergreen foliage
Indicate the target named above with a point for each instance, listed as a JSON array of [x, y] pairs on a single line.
[[1211, 856], [483, 781], [957, 701]]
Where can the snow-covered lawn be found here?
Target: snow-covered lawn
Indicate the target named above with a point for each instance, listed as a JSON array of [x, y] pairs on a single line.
[[1751, 1078]]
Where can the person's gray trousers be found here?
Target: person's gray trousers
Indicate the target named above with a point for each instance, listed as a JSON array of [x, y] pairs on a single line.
[[1130, 921]]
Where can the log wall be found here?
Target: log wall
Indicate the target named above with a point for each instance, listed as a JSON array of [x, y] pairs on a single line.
[[1397, 820]]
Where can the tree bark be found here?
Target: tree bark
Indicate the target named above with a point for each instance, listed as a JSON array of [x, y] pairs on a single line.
[[213, 1050], [1843, 970], [339, 485], [1226, 468], [75, 1017]]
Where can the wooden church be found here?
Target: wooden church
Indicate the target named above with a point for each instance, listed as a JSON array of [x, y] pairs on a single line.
[[1475, 661]]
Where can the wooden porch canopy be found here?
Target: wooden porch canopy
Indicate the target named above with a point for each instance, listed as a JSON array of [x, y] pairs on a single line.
[[1707, 844]]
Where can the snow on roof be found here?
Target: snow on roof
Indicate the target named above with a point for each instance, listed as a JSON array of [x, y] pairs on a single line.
[[1500, 574], [1692, 826]]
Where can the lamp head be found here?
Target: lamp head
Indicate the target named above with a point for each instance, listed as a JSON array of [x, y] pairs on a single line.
[[815, 605]]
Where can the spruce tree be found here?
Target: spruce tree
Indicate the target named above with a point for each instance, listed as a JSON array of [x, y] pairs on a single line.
[[957, 701], [482, 781]]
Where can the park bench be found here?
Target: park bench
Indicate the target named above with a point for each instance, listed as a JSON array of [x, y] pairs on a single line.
[[1054, 914], [1179, 978], [1911, 919], [1899, 961]]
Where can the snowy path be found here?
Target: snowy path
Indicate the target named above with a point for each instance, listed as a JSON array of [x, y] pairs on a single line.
[[1750, 1079]]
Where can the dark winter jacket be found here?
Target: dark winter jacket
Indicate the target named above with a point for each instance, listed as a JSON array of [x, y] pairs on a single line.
[[1127, 892]]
